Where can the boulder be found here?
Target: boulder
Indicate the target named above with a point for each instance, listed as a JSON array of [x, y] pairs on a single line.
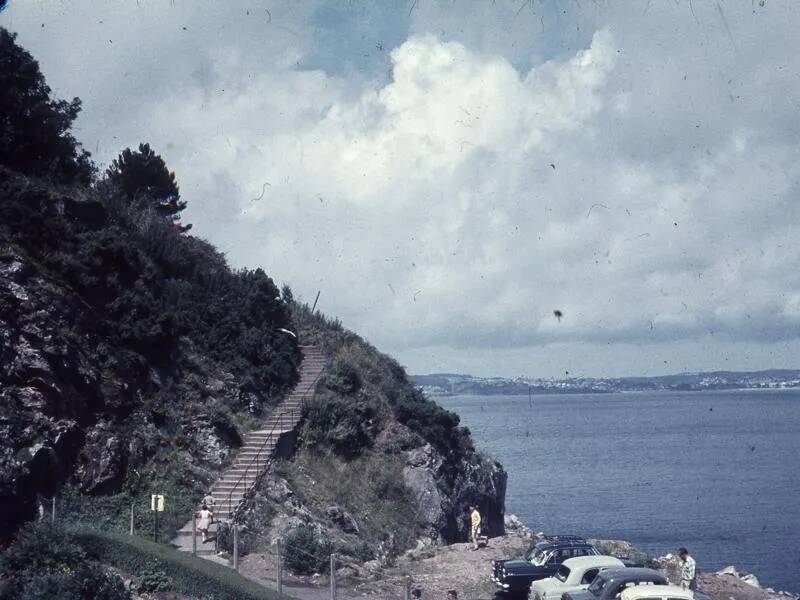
[[751, 579], [514, 524], [342, 519]]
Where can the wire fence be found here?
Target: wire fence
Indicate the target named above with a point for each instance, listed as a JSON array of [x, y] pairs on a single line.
[[147, 521]]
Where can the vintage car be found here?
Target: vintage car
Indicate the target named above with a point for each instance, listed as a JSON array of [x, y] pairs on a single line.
[[541, 561], [573, 575], [610, 584], [661, 592]]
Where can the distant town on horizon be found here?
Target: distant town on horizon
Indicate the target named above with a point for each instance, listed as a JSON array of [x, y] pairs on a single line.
[[451, 384]]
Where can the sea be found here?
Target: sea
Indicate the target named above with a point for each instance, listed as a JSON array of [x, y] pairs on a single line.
[[715, 471]]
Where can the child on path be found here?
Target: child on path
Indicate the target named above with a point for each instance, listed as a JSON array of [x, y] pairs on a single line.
[[206, 518]]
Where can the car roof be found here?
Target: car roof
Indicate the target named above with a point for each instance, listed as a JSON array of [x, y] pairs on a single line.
[[598, 560], [646, 591], [633, 574], [555, 544]]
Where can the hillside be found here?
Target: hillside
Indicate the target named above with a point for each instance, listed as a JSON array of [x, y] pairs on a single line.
[[446, 384], [133, 359]]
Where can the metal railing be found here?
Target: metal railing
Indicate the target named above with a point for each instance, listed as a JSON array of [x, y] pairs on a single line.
[[292, 417]]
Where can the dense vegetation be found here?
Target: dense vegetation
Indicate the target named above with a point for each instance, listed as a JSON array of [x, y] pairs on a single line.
[[140, 339]]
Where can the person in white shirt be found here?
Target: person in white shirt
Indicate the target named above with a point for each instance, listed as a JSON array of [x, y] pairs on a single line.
[[688, 570]]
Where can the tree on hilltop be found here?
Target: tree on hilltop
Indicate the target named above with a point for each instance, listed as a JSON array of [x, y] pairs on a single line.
[[35, 136], [142, 176]]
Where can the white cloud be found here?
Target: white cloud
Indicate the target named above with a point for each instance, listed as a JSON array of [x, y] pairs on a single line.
[[643, 182]]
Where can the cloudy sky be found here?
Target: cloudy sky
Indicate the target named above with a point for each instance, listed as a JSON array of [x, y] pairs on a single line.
[[449, 173]]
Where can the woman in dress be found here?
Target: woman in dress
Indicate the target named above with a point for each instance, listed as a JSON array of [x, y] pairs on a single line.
[[206, 518]]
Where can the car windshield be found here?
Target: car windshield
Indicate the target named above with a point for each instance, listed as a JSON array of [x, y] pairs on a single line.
[[535, 556], [563, 573], [597, 585]]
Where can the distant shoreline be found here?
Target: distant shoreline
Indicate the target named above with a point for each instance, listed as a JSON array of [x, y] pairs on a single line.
[[609, 392], [454, 384]]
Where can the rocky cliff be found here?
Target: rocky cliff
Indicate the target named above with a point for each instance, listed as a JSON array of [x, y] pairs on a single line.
[[133, 358], [377, 462], [101, 386]]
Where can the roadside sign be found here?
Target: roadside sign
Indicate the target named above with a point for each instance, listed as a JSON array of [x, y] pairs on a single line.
[[157, 503]]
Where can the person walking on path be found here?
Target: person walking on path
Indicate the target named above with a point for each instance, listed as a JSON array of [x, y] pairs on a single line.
[[206, 518], [475, 524], [688, 570]]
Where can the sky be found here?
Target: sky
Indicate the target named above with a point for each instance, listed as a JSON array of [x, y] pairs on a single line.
[[448, 173]]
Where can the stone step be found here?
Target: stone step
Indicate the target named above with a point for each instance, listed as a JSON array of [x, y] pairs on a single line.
[[256, 453], [221, 498]]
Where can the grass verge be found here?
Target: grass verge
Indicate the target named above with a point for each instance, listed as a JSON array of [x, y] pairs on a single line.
[[195, 577]]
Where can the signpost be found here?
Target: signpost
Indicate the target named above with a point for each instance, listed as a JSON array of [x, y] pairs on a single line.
[[156, 506]]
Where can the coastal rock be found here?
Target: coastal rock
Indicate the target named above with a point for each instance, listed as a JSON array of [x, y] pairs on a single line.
[[514, 524], [750, 579], [419, 475], [482, 482]]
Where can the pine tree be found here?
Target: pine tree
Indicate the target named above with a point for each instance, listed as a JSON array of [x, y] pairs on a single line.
[[35, 133], [142, 176]]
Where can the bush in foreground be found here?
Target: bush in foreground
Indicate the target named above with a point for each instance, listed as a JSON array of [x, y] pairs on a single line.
[[307, 550], [47, 564]]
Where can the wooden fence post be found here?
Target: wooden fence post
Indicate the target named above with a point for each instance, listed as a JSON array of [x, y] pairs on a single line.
[[235, 547], [280, 568], [333, 576], [194, 533]]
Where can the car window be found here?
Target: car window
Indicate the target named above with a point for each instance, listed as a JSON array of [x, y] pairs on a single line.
[[563, 573], [597, 585], [554, 559], [589, 576]]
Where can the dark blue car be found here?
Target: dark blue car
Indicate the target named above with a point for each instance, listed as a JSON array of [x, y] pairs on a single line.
[[541, 561], [609, 584]]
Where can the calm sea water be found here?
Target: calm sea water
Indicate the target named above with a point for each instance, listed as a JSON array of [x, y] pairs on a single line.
[[717, 472]]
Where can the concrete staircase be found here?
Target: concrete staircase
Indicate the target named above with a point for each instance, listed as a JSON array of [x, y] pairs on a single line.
[[257, 451]]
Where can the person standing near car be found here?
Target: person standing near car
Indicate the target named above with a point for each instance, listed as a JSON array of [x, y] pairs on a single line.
[[475, 524], [688, 570]]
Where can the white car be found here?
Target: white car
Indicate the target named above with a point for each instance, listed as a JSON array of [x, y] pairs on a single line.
[[573, 574], [659, 592]]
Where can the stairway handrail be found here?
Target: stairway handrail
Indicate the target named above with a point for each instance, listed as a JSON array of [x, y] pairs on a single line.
[[256, 459]]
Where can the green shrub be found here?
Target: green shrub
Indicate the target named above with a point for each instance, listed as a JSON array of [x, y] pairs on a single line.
[[307, 551], [40, 550], [48, 564], [90, 582], [153, 581], [189, 575], [342, 377], [361, 550], [338, 423]]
